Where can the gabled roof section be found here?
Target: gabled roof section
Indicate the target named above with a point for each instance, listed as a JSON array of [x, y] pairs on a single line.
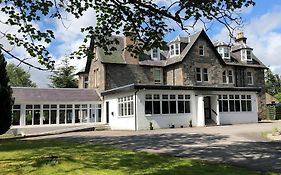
[[193, 39], [24, 94]]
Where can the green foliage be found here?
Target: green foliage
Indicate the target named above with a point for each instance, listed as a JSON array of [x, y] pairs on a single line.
[[18, 77], [278, 96], [73, 158], [145, 21], [272, 83], [5, 98], [63, 76]]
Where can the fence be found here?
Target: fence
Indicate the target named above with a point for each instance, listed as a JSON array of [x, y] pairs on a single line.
[[274, 112]]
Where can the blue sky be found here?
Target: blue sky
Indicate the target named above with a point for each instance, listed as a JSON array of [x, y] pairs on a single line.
[[262, 28]]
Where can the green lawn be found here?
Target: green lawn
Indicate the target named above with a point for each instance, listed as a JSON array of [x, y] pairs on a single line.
[[34, 157]]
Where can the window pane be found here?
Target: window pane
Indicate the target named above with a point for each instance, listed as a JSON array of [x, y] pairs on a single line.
[[198, 74], [249, 105], [231, 106], [28, 106], [148, 107], [243, 104], [165, 107], [62, 117], [165, 96], [225, 105], [46, 106], [16, 107], [148, 96], [16, 117], [237, 105], [36, 117], [180, 96], [187, 107], [180, 107], [28, 117], [46, 117], [77, 116], [61, 106], [156, 107], [173, 109], [69, 116], [84, 115], [53, 106], [36, 106], [53, 116]]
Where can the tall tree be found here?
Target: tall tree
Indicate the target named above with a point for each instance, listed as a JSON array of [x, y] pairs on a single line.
[[6, 98], [18, 76], [272, 83], [64, 76], [145, 21]]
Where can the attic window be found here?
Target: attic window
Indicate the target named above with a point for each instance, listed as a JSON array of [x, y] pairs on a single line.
[[246, 55], [224, 52], [175, 49], [249, 55], [155, 54], [201, 50]]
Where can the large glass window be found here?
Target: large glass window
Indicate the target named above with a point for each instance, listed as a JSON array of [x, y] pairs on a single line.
[[205, 74], [126, 106], [32, 114], [235, 103], [170, 104]]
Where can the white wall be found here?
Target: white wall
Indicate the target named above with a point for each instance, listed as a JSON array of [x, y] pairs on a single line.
[[163, 120], [241, 117], [118, 122]]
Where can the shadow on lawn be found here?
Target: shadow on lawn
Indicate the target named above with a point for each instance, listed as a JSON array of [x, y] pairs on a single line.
[[263, 156], [80, 156]]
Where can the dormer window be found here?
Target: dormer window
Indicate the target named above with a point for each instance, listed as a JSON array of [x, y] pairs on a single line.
[[224, 52], [155, 54], [246, 55], [175, 49], [249, 55]]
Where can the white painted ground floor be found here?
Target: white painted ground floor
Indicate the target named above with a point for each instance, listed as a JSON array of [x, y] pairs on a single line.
[[145, 108], [132, 108]]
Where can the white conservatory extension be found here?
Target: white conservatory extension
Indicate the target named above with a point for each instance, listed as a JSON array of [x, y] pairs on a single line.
[[38, 110]]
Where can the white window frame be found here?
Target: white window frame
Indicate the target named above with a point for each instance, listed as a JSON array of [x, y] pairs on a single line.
[[227, 76], [160, 80], [175, 49], [157, 57], [126, 106], [202, 73]]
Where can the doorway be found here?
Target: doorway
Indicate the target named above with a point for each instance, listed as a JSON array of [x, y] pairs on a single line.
[[107, 111], [207, 108]]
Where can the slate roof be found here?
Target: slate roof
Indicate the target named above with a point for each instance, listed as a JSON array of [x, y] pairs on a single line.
[[23, 94], [144, 59]]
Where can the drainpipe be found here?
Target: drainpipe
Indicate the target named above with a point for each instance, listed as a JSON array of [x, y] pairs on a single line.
[[136, 109]]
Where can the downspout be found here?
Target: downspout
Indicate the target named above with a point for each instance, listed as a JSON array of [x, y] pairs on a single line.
[[136, 109]]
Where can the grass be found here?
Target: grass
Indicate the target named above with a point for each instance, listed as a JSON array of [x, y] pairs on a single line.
[[65, 157]]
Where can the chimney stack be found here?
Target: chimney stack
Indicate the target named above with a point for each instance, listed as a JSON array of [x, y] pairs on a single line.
[[240, 38]]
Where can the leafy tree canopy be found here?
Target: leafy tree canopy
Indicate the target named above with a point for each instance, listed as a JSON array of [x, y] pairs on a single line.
[[272, 83], [6, 98], [145, 21], [64, 76], [18, 77]]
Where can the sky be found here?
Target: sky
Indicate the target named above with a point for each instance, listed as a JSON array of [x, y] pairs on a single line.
[[262, 27]]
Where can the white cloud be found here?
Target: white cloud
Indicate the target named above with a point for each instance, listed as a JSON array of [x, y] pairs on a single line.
[[263, 33]]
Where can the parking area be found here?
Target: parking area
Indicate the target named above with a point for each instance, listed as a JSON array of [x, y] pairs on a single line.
[[241, 145]]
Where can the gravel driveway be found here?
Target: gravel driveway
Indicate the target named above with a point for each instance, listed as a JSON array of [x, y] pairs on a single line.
[[240, 145]]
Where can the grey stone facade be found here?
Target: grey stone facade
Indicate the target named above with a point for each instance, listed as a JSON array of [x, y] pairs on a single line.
[[181, 70]]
